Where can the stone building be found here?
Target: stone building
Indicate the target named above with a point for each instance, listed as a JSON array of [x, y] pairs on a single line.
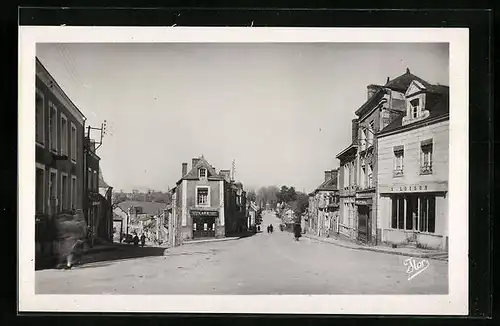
[[413, 170], [324, 206], [206, 204]]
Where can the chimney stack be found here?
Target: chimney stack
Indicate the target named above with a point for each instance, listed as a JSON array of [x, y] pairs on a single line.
[[388, 80], [184, 169], [354, 131], [372, 89], [328, 175], [195, 161], [334, 175]]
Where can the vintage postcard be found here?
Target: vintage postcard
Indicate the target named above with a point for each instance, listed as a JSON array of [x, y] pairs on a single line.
[[243, 170]]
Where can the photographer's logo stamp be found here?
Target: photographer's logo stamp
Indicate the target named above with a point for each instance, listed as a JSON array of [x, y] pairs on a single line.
[[415, 267]]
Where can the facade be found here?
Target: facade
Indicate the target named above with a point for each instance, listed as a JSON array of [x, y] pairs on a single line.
[[413, 170], [348, 184], [59, 159], [359, 207], [325, 206], [252, 212], [206, 204]]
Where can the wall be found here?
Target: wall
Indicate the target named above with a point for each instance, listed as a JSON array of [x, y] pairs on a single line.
[[437, 181], [44, 156]]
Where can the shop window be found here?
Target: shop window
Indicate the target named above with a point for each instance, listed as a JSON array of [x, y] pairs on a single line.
[[427, 214], [398, 214]]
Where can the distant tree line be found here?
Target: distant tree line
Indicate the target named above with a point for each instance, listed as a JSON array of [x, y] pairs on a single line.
[[272, 195]]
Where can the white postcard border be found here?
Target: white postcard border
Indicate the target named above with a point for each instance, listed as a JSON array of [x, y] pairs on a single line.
[[455, 303]]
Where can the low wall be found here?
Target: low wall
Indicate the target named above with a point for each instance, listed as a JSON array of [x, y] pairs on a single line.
[[426, 240]]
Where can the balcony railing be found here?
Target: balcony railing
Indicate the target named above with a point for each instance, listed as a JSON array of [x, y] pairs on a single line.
[[426, 168]]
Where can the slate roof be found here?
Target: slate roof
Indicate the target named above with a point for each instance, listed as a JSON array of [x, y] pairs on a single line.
[[436, 105], [150, 208], [328, 185], [193, 173]]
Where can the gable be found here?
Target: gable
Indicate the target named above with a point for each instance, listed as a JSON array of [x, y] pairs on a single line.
[[202, 163], [414, 87]]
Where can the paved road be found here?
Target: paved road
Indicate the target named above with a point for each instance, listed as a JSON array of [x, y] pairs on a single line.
[[260, 264]]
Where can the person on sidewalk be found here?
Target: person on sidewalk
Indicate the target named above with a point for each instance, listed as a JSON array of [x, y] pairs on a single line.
[[143, 240], [136, 240]]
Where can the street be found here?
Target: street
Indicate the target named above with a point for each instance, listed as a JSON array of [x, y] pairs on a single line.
[[260, 264]]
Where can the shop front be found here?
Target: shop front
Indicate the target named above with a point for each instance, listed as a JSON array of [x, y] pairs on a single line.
[[204, 223], [415, 215]]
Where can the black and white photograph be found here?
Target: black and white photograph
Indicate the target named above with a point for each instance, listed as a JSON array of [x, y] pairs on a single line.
[[272, 174]]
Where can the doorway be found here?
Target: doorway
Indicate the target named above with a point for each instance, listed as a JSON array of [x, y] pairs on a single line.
[[364, 223], [203, 227]]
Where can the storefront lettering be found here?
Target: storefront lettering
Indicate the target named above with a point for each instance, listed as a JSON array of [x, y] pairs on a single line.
[[205, 213], [408, 188]]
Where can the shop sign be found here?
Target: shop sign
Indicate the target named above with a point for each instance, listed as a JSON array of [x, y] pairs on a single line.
[[205, 213], [409, 188], [415, 188]]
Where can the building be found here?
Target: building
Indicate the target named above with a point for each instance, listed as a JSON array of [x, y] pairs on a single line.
[[324, 206], [206, 204], [384, 104], [348, 225], [139, 215], [59, 176], [252, 212], [413, 170]]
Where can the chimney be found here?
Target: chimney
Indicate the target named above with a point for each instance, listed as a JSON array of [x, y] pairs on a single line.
[[354, 131], [372, 89], [334, 175], [328, 175], [407, 70], [184, 169], [388, 80], [195, 161]]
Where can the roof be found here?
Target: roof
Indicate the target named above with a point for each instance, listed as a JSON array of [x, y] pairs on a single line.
[[371, 102], [346, 150], [328, 185], [102, 183], [193, 173], [436, 105], [402, 82], [150, 208]]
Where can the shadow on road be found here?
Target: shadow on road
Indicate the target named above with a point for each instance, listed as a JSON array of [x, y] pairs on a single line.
[[117, 252]]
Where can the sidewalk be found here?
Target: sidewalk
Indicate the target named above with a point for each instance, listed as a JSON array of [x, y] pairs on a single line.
[[187, 242], [402, 251]]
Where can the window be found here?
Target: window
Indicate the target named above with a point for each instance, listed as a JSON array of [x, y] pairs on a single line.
[[202, 173], [202, 196], [73, 192], [96, 181], [72, 146], [370, 175], [89, 179], [363, 179], [363, 139], [40, 189], [64, 191], [40, 115], [64, 135], [414, 108], [427, 214], [398, 160], [426, 157], [370, 131], [52, 191], [398, 214], [52, 127]]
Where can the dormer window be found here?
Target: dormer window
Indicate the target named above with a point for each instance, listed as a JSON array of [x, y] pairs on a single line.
[[415, 108], [202, 173]]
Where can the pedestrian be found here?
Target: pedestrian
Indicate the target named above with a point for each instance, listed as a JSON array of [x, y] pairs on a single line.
[[136, 240], [143, 240]]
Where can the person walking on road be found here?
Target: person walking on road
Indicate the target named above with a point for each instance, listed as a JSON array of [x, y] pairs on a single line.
[[143, 240]]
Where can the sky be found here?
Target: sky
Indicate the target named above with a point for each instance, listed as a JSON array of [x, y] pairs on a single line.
[[282, 111]]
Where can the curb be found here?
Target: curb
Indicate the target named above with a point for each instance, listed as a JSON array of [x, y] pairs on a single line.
[[436, 256], [209, 240]]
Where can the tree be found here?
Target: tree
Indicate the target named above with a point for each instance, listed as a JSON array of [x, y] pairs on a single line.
[[251, 196], [301, 202], [291, 195]]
